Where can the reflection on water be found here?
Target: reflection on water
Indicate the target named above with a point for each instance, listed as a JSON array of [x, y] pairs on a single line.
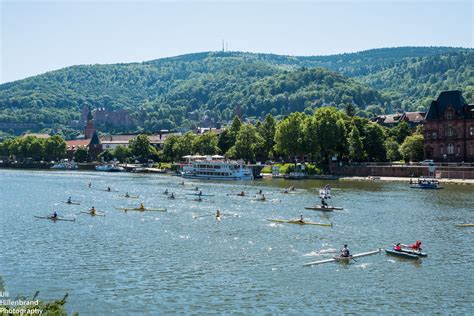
[[185, 261]]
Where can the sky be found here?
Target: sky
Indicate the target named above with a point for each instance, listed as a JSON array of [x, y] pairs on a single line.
[[38, 36]]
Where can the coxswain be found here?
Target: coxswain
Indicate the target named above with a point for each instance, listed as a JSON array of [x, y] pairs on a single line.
[[345, 252], [398, 247], [55, 215], [92, 210], [142, 207]]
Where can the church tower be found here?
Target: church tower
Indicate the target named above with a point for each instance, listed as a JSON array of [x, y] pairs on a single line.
[[89, 128]]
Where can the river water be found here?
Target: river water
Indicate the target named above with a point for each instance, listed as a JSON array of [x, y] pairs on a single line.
[[184, 261]]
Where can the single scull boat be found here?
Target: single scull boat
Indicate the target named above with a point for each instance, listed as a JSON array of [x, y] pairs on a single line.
[[56, 218], [324, 208], [342, 259], [296, 221]]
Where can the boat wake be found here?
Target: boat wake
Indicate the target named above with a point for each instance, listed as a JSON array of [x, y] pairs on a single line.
[[320, 252]]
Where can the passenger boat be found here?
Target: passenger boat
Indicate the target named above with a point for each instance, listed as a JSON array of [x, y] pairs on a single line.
[[214, 168], [342, 259], [298, 222], [402, 254], [425, 183], [110, 167], [65, 164]]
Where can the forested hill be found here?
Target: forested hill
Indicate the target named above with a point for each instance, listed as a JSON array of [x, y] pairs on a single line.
[[185, 90]]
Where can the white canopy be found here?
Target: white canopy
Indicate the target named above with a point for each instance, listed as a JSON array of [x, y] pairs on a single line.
[[217, 156]]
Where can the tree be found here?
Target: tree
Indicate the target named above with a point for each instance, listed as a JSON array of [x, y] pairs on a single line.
[[55, 148], [412, 148], [391, 147], [267, 131], [329, 128], [81, 154], [225, 141], [350, 109], [122, 153], [206, 144], [289, 135], [356, 148], [374, 142], [401, 131], [184, 145], [140, 147], [168, 147], [247, 142]]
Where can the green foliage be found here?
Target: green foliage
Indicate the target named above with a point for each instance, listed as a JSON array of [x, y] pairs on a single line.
[[267, 131], [140, 147], [374, 142], [400, 131], [392, 149], [81, 154], [330, 131], [247, 142], [183, 91], [122, 153], [206, 144], [412, 148], [289, 135], [356, 148]]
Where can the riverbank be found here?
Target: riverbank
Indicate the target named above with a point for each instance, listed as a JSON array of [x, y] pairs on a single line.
[[376, 178]]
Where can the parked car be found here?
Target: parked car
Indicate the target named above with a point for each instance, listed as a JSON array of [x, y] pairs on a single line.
[[427, 162]]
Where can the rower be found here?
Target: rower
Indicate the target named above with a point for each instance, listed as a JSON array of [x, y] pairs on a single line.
[[260, 192], [218, 214], [55, 215], [69, 200], [398, 247], [171, 196], [142, 207], [90, 184], [92, 211], [286, 191], [200, 193], [345, 252], [263, 197], [127, 195], [301, 219], [199, 199], [196, 189], [109, 189], [182, 182], [241, 193], [166, 192]]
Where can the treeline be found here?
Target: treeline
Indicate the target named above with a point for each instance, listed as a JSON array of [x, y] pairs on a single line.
[[318, 137], [208, 88], [31, 147]]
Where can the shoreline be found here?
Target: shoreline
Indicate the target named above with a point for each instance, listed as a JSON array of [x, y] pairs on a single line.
[[377, 178]]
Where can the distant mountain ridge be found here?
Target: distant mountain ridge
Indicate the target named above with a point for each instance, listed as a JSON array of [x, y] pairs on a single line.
[[209, 87]]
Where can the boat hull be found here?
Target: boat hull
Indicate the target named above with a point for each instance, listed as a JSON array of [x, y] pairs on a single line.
[[402, 254], [324, 208]]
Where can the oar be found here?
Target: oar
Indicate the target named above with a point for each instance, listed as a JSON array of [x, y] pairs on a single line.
[[203, 216]]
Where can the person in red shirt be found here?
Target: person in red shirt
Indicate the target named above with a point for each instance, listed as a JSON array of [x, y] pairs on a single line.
[[416, 246], [397, 247]]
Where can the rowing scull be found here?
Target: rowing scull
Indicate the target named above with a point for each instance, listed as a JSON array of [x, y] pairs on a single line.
[[342, 258]]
